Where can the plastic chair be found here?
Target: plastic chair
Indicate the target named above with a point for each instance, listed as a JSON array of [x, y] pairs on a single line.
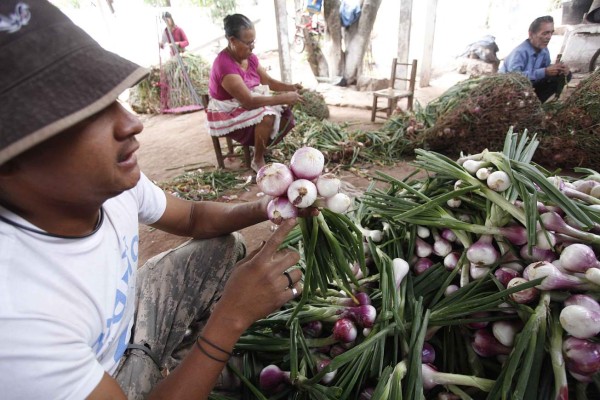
[[398, 89], [231, 145]]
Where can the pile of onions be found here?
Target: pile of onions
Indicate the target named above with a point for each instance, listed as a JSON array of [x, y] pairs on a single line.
[[303, 184]]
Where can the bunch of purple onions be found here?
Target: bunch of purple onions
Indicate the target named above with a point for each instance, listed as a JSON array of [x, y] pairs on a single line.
[[303, 184]]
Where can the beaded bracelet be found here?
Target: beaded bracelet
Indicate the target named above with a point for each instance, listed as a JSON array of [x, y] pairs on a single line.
[[214, 346], [208, 355]]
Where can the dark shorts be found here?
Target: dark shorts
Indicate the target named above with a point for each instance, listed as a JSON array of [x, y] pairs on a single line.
[[176, 291]]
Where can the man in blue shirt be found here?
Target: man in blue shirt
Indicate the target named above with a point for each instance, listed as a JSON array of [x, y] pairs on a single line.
[[532, 59]]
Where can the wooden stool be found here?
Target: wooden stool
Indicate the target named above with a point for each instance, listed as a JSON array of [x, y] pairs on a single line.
[[230, 151]]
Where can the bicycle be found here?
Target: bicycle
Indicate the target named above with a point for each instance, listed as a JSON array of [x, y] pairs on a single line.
[[309, 22]]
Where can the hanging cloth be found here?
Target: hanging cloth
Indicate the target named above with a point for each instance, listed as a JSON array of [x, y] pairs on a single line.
[[349, 12]]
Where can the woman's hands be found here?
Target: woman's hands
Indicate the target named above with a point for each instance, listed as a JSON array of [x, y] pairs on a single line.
[[290, 98]]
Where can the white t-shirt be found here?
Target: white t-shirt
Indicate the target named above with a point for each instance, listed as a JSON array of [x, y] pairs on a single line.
[[67, 305]]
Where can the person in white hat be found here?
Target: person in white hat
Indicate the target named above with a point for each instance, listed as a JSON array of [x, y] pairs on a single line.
[[78, 319]]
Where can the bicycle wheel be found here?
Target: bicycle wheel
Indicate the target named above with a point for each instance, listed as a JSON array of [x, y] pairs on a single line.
[[298, 44], [595, 61]]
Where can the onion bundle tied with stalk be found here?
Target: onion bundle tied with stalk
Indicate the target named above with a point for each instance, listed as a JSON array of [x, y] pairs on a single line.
[[331, 240]]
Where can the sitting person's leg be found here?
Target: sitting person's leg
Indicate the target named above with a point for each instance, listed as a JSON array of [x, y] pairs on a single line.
[[262, 137], [176, 291], [545, 88]]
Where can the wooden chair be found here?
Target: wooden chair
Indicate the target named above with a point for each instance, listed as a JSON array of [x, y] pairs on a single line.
[[231, 145], [402, 85]]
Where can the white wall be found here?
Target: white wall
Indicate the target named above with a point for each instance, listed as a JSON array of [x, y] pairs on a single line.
[[135, 28]]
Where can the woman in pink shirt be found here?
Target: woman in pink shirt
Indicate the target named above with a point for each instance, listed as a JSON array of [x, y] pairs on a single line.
[[173, 35], [241, 104]]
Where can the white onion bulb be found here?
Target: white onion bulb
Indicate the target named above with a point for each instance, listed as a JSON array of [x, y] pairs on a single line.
[[307, 163], [280, 208], [338, 203], [274, 179], [302, 193], [328, 185]]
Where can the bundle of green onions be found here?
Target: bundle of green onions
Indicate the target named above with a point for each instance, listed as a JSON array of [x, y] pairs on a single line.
[[481, 282]]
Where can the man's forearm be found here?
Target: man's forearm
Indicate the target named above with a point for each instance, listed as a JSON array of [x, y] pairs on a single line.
[[213, 219]]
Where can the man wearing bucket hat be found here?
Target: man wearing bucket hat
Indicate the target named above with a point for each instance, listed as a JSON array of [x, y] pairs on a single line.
[[77, 318], [532, 59]]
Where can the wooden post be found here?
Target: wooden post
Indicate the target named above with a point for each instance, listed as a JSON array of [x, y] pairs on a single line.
[[404, 27], [428, 42], [285, 64]]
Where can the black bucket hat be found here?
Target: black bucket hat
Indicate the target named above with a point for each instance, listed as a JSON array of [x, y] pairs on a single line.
[[52, 75]]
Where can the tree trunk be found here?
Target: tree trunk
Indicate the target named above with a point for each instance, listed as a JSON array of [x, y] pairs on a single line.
[[333, 37], [345, 47], [358, 36], [316, 58]]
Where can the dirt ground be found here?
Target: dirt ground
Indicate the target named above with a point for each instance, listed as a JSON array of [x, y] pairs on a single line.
[[171, 144]]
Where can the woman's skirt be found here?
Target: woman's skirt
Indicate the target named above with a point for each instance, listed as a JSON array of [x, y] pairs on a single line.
[[228, 118]]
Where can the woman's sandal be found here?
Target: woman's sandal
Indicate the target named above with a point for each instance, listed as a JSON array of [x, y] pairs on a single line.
[[254, 167]]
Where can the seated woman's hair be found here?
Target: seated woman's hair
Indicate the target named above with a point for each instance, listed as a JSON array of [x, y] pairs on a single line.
[[236, 23]]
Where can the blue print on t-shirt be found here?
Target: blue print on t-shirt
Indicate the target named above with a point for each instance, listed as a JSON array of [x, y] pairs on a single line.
[[131, 255], [129, 258]]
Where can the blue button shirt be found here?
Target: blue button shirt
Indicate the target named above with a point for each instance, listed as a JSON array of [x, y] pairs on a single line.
[[525, 60]]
